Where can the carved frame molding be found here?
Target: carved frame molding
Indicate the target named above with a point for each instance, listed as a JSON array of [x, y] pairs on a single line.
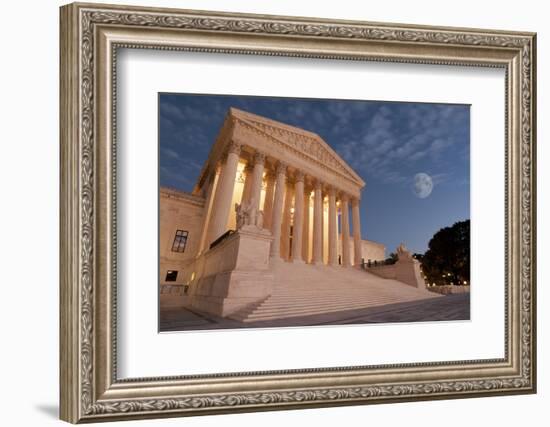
[[90, 36]]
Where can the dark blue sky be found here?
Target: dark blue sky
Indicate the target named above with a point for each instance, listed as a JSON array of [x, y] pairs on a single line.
[[386, 143]]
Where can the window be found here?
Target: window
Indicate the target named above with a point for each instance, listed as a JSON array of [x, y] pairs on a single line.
[[180, 240], [171, 275]]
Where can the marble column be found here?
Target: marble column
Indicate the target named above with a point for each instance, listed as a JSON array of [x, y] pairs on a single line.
[[356, 223], [268, 202], [287, 217], [298, 217], [247, 182], [278, 201], [318, 224], [332, 228], [224, 193], [345, 232], [257, 178], [305, 228]]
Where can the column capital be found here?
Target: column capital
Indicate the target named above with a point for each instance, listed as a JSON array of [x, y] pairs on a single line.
[[248, 167], [344, 197], [318, 185], [299, 176], [332, 191], [355, 201], [234, 147], [281, 167], [259, 158]]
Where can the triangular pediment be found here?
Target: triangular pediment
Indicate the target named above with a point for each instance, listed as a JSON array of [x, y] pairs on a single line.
[[307, 143]]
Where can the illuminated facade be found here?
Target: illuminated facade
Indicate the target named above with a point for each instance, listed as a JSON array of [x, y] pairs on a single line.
[[268, 193]]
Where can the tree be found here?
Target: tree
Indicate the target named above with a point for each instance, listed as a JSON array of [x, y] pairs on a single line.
[[392, 259], [418, 256], [447, 260]]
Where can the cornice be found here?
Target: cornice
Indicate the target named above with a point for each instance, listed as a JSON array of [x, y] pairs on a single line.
[[171, 193]]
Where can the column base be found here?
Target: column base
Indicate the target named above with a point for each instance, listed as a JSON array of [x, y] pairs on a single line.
[[274, 259]]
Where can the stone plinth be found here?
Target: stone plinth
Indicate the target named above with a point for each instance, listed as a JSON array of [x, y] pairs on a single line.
[[405, 270], [234, 274]]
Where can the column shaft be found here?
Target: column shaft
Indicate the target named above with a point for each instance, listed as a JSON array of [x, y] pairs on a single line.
[[305, 228], [318, 225], [285, 232], [224, 194], [268, 203], [257, 177], [298, 217], [278, 201], [247, 183], [345, 232], [332, 231], [357, 244]]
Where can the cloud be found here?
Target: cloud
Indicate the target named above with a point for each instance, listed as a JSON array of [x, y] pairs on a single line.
[[397, 139], [171, 112], [182, 174], [169, 153], [440, 178]]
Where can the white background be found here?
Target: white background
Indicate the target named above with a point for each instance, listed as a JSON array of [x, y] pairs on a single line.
[[29, 171], [141, 347]]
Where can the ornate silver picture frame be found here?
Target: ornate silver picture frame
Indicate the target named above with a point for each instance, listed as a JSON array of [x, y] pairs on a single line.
[[91, 36]]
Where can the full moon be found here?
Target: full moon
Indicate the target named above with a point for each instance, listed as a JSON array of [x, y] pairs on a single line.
[[423, 185]]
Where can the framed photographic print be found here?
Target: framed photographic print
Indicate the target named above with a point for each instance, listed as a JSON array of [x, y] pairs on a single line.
[[279, 258], [266, 212]]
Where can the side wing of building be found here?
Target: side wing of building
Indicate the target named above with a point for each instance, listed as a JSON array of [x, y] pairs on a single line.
[[181, 217]]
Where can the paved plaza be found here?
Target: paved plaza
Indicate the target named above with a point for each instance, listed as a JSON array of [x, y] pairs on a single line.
[[450, 307]]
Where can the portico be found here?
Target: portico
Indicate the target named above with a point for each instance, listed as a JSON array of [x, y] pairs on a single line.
[[301, 186]]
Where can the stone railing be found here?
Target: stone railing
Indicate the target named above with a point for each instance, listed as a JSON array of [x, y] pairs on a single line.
[[449, 289], [234, 273], [173, 289], [406, 270], [173, 295]]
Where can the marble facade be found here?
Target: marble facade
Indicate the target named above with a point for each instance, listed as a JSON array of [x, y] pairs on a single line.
[[296, 195]]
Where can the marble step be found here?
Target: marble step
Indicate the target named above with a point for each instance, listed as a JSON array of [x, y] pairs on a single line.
[[315, 308], [311, 290], [255, 317], [340, 295], [276, 302], [267, 313], [303, 310]]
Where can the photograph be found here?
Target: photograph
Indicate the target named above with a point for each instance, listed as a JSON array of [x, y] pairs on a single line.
[[281, 212]]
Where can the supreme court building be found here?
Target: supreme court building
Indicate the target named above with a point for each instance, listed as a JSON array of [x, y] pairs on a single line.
[[271, 205]]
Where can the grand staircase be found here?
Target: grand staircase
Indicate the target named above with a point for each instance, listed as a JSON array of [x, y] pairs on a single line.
[[303, 290]]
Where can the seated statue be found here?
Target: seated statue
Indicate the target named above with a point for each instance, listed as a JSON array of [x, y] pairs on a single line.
[[401, 249], [240, 214], [403, 253], [260, 219], [248, 214]]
